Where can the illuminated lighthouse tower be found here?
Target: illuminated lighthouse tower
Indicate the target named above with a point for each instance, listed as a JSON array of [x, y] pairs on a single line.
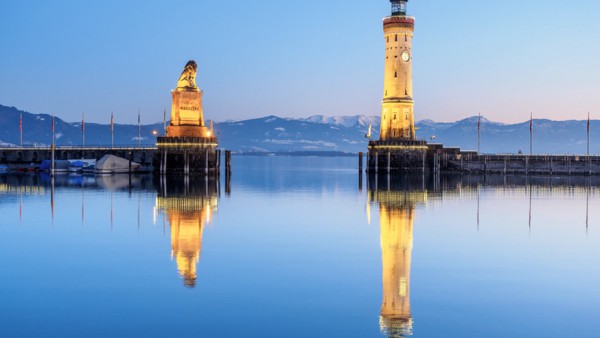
[[398, 149], [397, 118]]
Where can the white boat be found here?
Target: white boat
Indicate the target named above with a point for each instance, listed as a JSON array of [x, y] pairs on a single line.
[[110, 164]]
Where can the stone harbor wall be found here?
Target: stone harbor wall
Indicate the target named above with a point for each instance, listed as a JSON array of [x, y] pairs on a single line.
[[384, 157]]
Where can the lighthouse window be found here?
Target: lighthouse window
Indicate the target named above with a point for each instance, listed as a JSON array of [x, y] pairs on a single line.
[[387, 39], [395, 74], [396, 37], [406, 38]]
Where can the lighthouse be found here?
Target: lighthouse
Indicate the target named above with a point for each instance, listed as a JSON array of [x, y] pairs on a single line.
[[398, 149], [397, 117]]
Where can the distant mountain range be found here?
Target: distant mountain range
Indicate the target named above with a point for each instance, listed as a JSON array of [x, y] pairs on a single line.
[[313, 134]]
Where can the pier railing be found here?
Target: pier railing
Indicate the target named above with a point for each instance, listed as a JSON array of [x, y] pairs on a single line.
[[87, 147]]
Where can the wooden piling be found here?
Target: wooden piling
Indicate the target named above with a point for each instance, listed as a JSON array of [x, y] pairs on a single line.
[[360, 162], [228, 172], [228, 161], [389, 162], [206, 162], [217, 163], [186, 163]]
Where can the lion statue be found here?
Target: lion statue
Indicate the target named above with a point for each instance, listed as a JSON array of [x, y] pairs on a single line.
[[188, 77]]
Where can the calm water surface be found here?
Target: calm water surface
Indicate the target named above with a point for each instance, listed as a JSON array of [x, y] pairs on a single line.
[[299, 247]]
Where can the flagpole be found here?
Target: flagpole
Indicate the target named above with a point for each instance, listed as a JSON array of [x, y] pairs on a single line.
[[83, 130], [139, 129], [588, 146], [52, 164], [21, 128], [588, 135], [531, 134], [479, 134], [112, 129]]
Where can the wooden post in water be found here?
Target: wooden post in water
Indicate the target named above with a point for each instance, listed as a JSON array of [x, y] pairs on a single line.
[[360, 162], [360, 171], [186, 163], [228, 161], [360, 181], [166, 161], [228, 172], [389, 162], [206, 162], [217, 163]]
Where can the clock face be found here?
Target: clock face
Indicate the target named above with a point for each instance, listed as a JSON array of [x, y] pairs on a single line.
[[405, 56]]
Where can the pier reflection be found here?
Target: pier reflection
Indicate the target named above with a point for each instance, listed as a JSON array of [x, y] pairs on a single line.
[[399, 198], [188, 205], [397, 201]]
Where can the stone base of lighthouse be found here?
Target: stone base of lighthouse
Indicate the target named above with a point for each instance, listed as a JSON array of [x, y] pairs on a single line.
[[398, 156], [189, 155]]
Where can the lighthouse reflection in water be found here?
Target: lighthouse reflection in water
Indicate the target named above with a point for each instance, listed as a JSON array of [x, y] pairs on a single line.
[[188, 208], [397, 201]]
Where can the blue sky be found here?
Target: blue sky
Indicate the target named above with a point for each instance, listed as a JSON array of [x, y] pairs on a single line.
[[504, 59]]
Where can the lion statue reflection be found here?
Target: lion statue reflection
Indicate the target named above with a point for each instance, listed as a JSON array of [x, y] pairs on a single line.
[[188, 77]]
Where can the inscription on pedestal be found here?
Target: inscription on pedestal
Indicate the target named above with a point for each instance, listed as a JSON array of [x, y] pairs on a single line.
[[187, 109]]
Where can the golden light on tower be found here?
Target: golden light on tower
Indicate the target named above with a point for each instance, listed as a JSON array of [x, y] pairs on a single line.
[[397, 116]]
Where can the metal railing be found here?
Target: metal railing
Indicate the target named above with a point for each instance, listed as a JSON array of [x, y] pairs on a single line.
[[87, 147]]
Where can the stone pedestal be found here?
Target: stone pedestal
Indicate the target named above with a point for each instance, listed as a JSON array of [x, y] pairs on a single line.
[[187, 131], [187, 108], [397, 156], [187, 119]]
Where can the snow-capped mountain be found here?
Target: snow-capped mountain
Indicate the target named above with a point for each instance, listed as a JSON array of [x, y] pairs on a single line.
[[318, 133], [274, 134], [346, 121]]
